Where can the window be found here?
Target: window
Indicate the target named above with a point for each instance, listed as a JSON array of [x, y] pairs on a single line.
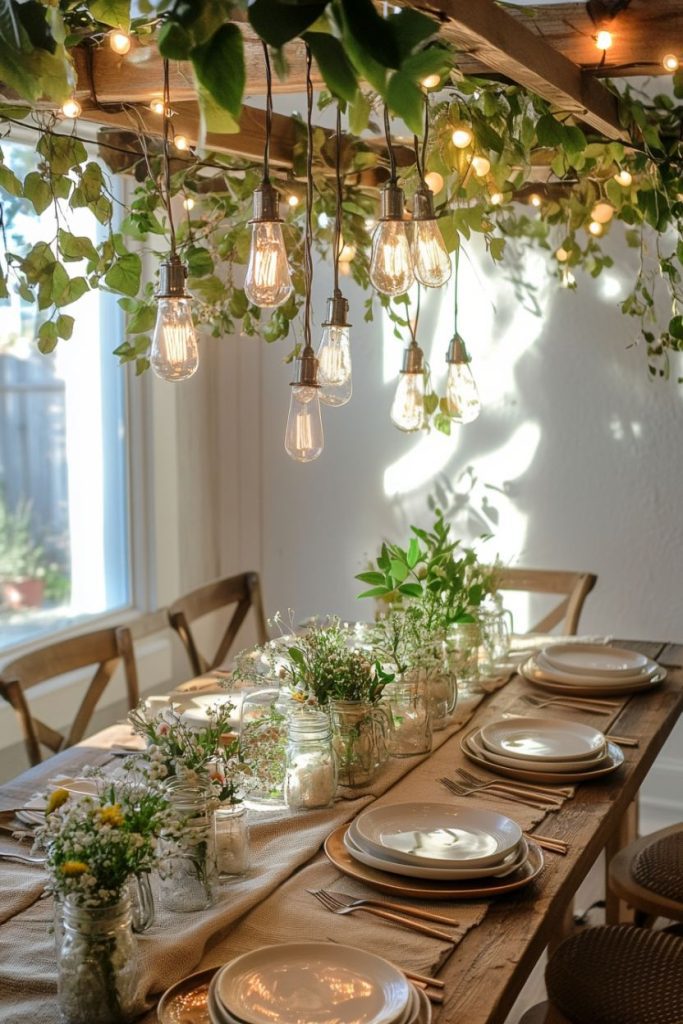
[[64, 534]]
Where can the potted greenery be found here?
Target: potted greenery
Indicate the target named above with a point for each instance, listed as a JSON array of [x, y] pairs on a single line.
[[22, 568]]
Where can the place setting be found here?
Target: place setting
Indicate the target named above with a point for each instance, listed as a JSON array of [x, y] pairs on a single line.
[[293, 983], [542, 750], [435, 851], [591, 670]]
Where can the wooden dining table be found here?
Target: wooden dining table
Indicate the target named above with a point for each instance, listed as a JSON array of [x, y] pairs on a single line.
[[489, 964]]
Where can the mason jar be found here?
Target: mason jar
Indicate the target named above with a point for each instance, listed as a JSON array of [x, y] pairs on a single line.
[[97, 965], [496, 631], [231, 838], [462, 645], [407, 704], [310, 766], [187, 859], [356, 730], [263, 739]]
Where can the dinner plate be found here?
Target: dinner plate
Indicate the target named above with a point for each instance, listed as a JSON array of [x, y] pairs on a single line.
[[33, 811], [385, 863], [424, 889], [312, 983], [592, 689], [437, 834], [556, 675], [552, 767], [614, 760], [594, 659], [186, 1002], [543, 739]]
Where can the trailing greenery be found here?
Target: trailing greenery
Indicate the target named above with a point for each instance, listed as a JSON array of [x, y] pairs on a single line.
[[514, 130]]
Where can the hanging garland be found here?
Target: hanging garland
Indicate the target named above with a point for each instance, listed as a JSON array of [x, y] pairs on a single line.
[[487, 142]]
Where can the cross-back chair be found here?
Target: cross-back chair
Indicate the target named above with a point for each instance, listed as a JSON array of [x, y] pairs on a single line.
[[99, 648], [574, 586], [243, 591]]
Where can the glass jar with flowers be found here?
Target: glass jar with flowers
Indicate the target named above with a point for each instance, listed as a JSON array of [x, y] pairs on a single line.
[[94, 847], [191, 760]]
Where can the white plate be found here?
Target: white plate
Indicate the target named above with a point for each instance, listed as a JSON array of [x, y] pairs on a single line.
[[511, 863], [438, 834], [550, 672], [613, 760], [312, 983], [538, 766], [33, 812], [543, 739], [590, 687], [594, 660]]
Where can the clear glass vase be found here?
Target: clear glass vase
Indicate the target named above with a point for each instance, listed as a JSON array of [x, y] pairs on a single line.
[[356, 730], [407, 705], [496, 632], [263, 740], [311, 768], [187, 858], [432, 670], [231, 835], [97, 963], [462, 646]]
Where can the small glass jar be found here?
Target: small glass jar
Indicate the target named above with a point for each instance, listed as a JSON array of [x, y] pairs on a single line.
[[462, 644], [356, 728], [496, 631], [263, 739], [187, 859], [231, 837], [310, 766], [433, 671], [97, 964], [410, 731]]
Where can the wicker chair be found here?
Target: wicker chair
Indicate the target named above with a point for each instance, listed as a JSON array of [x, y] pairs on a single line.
[[614, 974], [648, 876]]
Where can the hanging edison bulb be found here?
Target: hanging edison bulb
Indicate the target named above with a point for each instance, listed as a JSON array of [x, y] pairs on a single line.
[[175, 353], [334, 354], [462, 395], [268, 282], [391, 263], [408, 407], [430, 258], [304, 439]]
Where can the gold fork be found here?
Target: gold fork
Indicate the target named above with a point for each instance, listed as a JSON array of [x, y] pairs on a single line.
[[530, 787], [457, 789], [330, 903]]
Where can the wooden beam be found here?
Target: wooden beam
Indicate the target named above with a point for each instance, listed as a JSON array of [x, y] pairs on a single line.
[[505, 45]]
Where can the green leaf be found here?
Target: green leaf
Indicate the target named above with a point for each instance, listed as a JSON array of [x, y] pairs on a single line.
[[399, 570], [370, 30], [406, 99], [61, 152], [199, 262], [124, 275], [411, 589], [374, 578], [550, 132], [174, 41], [334, 65], [142, 320], [413, 553], [9, 181], [65, 326], [574, 140], [37, 191], [219, 66], [676, 327], [359, 113], [47, 337], [112, 12], [214, 118], [76, 247], [374, 592], [277, 23], [71, 291], [497, 248], [92, 182], [432, 61], [410, 28]]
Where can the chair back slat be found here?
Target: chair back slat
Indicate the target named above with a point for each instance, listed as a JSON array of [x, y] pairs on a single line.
[[243, 591], [576, 586]]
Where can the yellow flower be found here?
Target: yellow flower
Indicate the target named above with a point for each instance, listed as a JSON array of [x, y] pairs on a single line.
[[73, 868], [56, 799], [111, 815]]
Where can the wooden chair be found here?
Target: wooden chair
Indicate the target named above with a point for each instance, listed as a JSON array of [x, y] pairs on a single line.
[[575, 586], [648, 876], [138, 629], [98, 648], [244, 591]]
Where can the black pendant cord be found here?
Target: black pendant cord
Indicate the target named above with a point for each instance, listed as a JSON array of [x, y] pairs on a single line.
[[269, 114], [425, 140], [308, 236], [338, 211], [412, 326], [167, 160], [393, 177], [455, 291]]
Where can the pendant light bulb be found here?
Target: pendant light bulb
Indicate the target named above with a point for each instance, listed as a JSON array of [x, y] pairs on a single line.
[[671, 62], [71, 108], [604, 39], [430, 257], [120, 42], [602, 213], [462, 395], [304, 440], [407, 409], [391, 262], [624, 178], [334, 354], [434, 181], [462, 136], [268, 282], [481, 166], [175, 354]]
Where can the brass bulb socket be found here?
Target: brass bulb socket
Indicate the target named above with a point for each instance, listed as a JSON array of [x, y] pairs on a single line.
[[337, 311], [457, 351], [413, 360], [306, 373], [266, 204], [391, 202], [172, 274], [423, 205]]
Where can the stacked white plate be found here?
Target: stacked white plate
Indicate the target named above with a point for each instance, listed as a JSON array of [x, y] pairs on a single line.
[[555, 748], [592, 670], [314, 983], [440, 842]]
